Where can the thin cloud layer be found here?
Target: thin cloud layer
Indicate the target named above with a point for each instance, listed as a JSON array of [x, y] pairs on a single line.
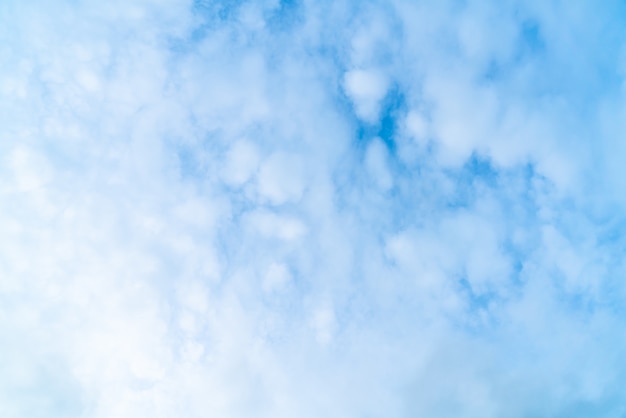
[[305, 209]]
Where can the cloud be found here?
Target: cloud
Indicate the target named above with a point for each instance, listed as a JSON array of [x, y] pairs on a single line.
[[366, 89], [298, 208]]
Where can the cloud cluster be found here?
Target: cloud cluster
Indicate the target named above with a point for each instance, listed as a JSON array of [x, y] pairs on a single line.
[[311, 208]]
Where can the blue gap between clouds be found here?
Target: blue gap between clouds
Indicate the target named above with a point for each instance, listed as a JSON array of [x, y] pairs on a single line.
[[286, 15], [393, 105], [530, 43], [477, 169], [212, 13], [477, 301]]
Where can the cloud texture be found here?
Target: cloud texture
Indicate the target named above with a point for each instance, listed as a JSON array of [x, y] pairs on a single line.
[[224, 208]]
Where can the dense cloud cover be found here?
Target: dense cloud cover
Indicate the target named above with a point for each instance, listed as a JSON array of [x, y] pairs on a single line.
[[399, 208]]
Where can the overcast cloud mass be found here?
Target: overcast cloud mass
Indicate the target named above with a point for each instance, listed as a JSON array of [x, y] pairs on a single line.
[[311, 208]]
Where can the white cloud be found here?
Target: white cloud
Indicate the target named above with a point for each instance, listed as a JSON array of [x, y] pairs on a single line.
[[281, 178], [241, 163], [276, 277], [366, 89], [269, 224], [323, 323], [377, 166]]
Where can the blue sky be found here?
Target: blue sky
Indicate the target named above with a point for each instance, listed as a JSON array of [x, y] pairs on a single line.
[[269, 208]]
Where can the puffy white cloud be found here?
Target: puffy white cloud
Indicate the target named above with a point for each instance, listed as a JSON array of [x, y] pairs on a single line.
[[241, 163], [376, 164], [366, 89], [282, 178]]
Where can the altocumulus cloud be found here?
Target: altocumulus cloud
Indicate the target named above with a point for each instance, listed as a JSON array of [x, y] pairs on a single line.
[[270, 208]]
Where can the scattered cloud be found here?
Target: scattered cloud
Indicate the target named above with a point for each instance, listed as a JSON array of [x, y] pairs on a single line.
[[311, 208]]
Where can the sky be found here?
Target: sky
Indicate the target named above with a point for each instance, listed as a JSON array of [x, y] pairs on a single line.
[[312, 208]]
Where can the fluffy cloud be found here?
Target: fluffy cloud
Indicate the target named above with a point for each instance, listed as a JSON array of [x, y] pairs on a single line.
[[280, 208]]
